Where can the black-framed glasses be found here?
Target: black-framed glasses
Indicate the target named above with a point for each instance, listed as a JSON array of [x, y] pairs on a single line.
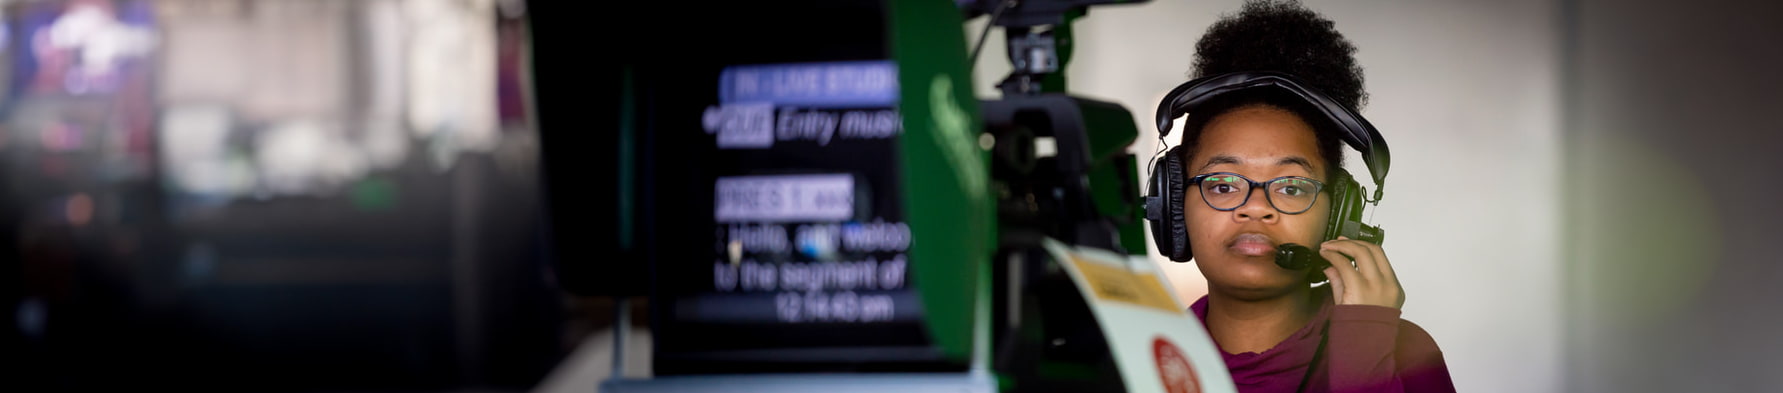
[[1225, 191]]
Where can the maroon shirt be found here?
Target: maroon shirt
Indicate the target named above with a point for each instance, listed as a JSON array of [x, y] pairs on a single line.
[[1365, 349]]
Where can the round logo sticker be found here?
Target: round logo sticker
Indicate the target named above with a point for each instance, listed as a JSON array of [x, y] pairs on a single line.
[[1174, 368]]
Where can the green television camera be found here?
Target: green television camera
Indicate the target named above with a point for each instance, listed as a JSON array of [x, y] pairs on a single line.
[[812, 196]]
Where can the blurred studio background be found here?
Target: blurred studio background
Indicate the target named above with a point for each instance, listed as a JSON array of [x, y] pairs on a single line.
[[348, 195], [271, 195]]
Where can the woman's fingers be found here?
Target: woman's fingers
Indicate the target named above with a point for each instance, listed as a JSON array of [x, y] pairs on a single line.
[[1339, 260], [1366, 262], [1336, 284], [1370, 281]]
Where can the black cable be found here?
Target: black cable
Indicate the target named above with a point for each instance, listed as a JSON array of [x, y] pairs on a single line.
[[986, 32]]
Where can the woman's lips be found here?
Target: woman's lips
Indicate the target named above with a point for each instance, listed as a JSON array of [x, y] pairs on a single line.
[[1252, 245]]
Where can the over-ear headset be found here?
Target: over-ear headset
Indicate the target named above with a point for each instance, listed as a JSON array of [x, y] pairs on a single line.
[[1166, 190]]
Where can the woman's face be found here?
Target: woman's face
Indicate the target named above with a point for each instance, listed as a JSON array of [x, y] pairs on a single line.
[[1235, 249]]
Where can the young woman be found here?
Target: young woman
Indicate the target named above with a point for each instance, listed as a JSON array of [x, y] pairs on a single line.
[[1277, 331]]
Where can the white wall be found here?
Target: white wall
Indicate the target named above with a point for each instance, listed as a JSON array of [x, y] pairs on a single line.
[[1674, 139], [1467, 94]]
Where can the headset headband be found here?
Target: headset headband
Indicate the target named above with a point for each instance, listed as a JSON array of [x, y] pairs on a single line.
[[1357, 131]]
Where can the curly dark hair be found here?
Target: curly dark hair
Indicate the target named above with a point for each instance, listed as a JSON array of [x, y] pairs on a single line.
[[1279, 36]]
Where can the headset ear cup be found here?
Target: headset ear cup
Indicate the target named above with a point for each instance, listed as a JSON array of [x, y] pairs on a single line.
[[1340, 195], [1164, 191], [1346, 210], [1346, 205], [1179, 231], [1157, 214]]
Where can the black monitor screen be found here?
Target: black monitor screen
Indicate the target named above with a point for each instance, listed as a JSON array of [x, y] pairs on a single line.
[[777, 221]]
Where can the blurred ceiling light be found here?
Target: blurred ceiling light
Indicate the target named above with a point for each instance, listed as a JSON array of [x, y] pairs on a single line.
[[195, 149], [290, 156], [102, 41], [305, 157], [448, 93]]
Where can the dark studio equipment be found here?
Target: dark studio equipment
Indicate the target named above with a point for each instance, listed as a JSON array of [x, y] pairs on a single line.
[[820, 202]]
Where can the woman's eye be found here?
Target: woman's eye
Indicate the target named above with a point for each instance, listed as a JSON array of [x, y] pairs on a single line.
[[1223, 188], [1292, 191]]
